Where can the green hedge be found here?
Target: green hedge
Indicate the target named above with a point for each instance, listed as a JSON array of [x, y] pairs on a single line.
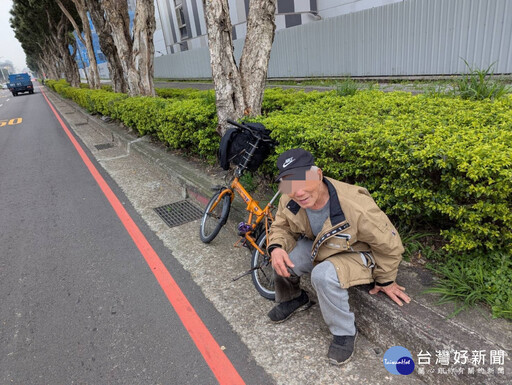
[[180, 121], [277, 99], [428, 161], [177, 93]]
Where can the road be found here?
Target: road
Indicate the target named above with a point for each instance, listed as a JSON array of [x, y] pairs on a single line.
[[84, 299]]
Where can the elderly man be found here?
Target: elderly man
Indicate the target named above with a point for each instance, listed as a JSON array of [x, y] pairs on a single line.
[[335, 232]]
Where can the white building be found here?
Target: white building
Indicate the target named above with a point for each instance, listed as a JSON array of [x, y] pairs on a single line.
[[332, 38], [183, 25]]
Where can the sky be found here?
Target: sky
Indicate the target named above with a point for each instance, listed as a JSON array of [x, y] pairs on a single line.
[[10, 48]]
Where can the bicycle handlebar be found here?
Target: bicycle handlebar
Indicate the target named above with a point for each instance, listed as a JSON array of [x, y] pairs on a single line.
[[251, 131], [238, 125]]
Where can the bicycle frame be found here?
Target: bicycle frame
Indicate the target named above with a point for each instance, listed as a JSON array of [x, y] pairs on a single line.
[[256, 213]]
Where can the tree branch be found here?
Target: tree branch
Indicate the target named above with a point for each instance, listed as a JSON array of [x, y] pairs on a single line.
[[71, 19]]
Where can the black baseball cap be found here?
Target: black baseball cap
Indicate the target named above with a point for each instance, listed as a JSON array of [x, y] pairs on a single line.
[[294, 163]]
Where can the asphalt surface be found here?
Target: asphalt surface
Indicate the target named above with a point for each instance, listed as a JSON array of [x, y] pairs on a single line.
[[79, 303]]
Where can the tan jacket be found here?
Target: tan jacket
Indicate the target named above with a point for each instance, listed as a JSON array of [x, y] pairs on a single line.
[[356, 236]]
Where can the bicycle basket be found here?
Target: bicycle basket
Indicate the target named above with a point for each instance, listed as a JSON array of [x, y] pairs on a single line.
[[236, 144]]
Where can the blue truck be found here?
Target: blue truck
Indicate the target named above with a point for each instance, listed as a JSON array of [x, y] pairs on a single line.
[[20, 83]]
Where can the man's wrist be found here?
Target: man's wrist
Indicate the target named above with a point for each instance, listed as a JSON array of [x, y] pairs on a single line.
[[272, 247], [384, 283]]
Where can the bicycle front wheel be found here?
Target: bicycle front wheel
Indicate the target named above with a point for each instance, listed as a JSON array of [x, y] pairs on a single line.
[[263, 274], [215, 216]]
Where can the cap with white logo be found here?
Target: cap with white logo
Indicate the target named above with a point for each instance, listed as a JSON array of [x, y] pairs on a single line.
[[294, 163]]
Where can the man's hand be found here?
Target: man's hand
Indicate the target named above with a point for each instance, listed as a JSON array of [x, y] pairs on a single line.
[[394, 291], [281, 261]]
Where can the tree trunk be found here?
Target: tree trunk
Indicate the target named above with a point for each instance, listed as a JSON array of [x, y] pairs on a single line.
[[115, 69], [70, 66], [83, 65], [116, 13], [226, 77], [239, 92], [107, 46], [49, 61], [55, 58], [49, 67], [143, 49], [256, 53], [94, 74], [59, 40], [135, 56]]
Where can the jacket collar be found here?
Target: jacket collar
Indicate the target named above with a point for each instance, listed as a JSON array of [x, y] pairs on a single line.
[[335, 212]]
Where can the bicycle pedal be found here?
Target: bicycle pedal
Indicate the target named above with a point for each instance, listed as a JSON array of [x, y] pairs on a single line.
[[242, 242], [243, 228]]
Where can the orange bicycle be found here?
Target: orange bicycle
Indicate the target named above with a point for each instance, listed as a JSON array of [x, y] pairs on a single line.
[[254, 232]]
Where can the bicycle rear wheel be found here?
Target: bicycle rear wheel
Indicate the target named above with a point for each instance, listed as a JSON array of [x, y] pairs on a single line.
[[263, 274], [214, 216]]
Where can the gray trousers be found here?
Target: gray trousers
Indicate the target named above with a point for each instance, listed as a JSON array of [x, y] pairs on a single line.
[[333, 300]]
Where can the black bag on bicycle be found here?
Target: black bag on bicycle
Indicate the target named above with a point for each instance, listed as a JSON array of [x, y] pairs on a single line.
[[235, 146]]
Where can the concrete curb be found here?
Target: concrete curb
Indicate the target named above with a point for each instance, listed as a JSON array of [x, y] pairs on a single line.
[[421, 326]]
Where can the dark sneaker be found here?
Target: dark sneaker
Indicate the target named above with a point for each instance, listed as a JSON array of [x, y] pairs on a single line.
[[341, 349], [284, 310]]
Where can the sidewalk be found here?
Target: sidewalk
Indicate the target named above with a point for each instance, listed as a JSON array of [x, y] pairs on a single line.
[[293, 352]]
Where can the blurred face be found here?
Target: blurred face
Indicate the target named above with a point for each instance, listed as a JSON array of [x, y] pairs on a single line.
[[308, 193]]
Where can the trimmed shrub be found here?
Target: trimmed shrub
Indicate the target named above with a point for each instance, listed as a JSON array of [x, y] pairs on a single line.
[[435, 162], [184, 120], [182, 123], [143, 113], [176, 93], [57, 85], [277, 99]]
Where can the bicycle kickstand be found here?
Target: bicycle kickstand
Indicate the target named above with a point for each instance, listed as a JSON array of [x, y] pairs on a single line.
[[246, 273]]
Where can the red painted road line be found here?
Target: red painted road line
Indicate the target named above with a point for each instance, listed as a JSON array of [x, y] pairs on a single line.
[[220, 365]]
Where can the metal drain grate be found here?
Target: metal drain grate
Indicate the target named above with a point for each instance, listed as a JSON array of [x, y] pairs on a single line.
[[103, 146], [179, 213]]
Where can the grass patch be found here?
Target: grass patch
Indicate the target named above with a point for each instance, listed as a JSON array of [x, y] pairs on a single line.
[[474, 279], [477, 84], [347, 88], [464, 280], [421, 247]]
